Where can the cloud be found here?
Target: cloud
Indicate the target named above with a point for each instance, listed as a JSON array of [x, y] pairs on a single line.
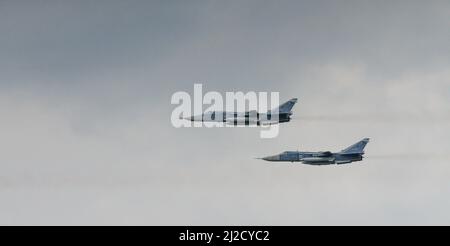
[[85, 109]]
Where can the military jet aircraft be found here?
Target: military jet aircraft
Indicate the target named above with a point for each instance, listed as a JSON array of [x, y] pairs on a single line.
[[351, 154], [278, 115]]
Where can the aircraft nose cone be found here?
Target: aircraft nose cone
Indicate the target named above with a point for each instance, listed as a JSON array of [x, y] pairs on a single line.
[[190, 118], [272, 158]]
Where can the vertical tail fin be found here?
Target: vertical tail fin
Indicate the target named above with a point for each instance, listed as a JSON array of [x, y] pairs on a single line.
[[357, 148], [287, 106]]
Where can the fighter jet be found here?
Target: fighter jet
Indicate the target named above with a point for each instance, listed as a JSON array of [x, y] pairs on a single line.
[[281, 114], [351, 154]]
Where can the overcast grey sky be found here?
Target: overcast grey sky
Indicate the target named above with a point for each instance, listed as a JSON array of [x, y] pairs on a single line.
[[85, 132]]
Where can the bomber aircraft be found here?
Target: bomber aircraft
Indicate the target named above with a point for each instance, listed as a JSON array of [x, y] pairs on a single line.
[[351, 154], [281, 114]]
